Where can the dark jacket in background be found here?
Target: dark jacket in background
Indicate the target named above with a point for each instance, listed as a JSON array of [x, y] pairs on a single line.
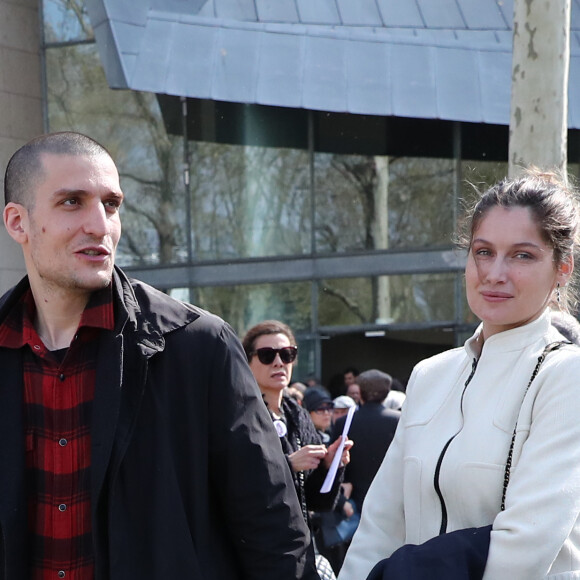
[[372, 430], [187, 477], [301, 432]]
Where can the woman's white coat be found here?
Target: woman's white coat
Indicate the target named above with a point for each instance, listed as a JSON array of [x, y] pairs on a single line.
[[538, 534]]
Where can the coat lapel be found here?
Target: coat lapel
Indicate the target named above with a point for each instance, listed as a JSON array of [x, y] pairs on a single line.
[[106, 404], [13, 513]]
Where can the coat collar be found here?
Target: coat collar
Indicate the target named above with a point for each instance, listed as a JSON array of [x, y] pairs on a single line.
[[509, 340], [143, 317], [151, 314]]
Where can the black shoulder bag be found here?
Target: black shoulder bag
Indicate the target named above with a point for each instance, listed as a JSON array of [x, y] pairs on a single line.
[[458, 555]]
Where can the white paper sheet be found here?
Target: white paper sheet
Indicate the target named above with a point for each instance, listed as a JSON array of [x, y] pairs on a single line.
[[329, 480]]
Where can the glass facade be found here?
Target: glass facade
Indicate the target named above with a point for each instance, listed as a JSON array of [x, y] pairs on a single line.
[[248, 201], [383, 300], [366, 203], [275, 202], [65, 21]]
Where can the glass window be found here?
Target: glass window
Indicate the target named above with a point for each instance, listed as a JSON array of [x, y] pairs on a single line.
[[149, 160], [253, 201], [387, 299], [305, 366], [245, 305], [477, 176], [380, 202], [421, 202], [574, 173], [65, 21], [248, 201]]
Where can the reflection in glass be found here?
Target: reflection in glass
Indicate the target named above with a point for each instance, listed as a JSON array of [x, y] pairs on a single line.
[[574, 173], [254, 201], [245, 305], [65, 21], [305, 366], [479, 176], [248, 201], [402, 299], [130, 125], [376, 203]]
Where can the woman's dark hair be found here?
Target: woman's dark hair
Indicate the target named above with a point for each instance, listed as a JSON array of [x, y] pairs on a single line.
[[264, 328], [553, 204]]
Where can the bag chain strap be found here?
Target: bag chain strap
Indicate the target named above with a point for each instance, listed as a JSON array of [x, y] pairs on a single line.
[[508, 465]]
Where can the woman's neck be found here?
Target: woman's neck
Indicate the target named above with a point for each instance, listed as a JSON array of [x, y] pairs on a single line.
[[273, 398]]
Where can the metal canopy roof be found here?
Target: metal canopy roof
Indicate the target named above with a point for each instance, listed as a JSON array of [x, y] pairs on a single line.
[[425, 59]]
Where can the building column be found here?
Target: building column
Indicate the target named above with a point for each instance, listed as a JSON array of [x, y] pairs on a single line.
[[20, 103]]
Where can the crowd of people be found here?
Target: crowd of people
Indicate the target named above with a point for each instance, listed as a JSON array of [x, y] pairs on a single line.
[[372, 429], [141, 438]]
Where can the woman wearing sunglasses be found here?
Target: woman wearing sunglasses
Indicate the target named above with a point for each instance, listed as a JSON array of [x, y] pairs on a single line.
[[271, 350]]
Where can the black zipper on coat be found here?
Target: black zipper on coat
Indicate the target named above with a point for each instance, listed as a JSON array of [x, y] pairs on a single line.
[[443, 527]]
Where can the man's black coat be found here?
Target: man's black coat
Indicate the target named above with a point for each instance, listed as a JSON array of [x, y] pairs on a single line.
[[188, 480]]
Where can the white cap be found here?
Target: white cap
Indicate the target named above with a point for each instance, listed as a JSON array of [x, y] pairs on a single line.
[[344, 402]]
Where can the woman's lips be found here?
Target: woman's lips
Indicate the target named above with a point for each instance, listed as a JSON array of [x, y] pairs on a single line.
[[496, 296]]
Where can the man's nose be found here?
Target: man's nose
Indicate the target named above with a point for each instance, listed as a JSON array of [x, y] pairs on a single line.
[[96, 222]]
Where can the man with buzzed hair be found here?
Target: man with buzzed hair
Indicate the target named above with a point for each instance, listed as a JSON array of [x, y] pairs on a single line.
[[372, 430], [133, 437]]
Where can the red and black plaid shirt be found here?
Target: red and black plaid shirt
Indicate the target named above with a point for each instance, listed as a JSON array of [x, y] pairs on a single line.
[[58, 394]]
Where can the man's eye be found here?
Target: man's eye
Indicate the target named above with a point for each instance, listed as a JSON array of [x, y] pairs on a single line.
[[70, 202]]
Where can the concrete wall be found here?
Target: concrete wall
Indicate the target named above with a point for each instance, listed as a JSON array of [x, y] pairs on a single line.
[[20, 104]]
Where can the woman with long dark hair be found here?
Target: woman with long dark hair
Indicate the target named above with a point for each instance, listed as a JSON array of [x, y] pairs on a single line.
[[446, 468]]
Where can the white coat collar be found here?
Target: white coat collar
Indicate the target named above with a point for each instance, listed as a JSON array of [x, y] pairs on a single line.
[[509, 340]]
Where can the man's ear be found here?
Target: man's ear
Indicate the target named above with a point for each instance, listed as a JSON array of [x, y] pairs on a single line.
[[15, 220]]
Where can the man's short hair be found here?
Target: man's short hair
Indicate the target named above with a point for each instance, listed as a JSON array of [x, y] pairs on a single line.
[[374, 385], [25, 169]]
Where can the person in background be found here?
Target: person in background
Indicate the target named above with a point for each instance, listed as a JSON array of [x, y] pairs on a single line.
[[342, 404], [320, 407], [271, 351], [396, 396], [134, 440], [299, 386], [372, 430], [312, 381], [295, 393], [567, 325], [349, 376], [445, 469], [353, 391]]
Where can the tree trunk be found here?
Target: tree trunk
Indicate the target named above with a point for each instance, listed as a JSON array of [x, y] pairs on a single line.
[[539, 99]]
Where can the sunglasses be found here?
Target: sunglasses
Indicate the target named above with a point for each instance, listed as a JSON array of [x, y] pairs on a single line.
[[267, 355]]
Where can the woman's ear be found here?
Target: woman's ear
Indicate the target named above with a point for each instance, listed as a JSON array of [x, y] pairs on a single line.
[[565, 270], [15, 219]]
